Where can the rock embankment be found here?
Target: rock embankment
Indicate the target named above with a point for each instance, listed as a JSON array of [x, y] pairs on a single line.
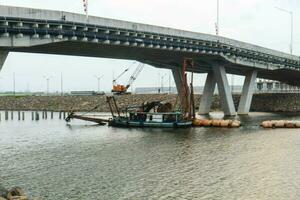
[[76, 103], [261, 102], [15, 193]]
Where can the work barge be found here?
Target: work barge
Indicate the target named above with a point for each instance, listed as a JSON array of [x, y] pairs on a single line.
[[157, 114], [153, 114]]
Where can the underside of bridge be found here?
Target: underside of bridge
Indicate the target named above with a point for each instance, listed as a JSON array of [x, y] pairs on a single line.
[[216, 66], [159, 58]]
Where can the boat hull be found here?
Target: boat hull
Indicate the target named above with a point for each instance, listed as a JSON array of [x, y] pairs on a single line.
[[143, 124]]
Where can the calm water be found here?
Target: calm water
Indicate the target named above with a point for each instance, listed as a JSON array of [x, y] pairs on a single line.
[[81, 161]]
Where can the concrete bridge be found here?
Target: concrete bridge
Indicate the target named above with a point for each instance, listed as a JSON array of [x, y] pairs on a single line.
[[57, 32]]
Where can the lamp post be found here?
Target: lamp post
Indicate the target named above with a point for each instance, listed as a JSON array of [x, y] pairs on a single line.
[[218, 18], [47, 78], [232, 83], [162, 83], [98, 78], [158, 81], [61, 85], [292, 26], [14, 83], [170, 82]]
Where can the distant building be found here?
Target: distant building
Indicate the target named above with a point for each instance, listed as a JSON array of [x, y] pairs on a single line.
[[86, 93]]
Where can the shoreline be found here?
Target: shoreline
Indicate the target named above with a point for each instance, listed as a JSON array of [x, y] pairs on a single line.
[[279, 103]]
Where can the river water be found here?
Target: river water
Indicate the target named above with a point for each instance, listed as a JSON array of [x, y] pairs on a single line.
[[53, 160]]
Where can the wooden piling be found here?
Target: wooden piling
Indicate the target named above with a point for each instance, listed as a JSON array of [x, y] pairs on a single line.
[[6, 115], [37, 116]]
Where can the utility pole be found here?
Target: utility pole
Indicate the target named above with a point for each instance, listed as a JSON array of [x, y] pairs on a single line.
[[27, 88], [158, 87], [98, 78], [47, 83], [86, 8], [14, 83], [292, 26], [61, 84], [162, 83], [170, 82], [232, 83], [47, 86], [218, 18]]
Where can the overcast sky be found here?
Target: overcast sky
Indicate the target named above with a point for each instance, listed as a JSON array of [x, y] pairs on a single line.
[[253, 21]]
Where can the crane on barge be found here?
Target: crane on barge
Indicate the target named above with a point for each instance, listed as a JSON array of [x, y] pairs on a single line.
[[122, 89]]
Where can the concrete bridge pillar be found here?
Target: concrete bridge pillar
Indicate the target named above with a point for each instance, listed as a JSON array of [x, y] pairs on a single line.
[[178, 78], [247, 93], [182, 88], [224, 91], [208, 92], [3, 56], [218, 76]]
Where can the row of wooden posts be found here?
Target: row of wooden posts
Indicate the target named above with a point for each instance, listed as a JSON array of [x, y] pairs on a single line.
[[35, 115]]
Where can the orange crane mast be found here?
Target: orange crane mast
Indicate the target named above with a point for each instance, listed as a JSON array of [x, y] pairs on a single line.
[[122, 89]]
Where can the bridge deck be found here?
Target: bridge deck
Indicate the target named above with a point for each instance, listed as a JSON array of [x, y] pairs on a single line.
[[155, 45], [20, 13]]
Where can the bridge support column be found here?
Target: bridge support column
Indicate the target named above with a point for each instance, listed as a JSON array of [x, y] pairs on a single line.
[[182, 88], [208, 92], [226, 99], [247, 93], [3, 56], [178, 78], [218, 76]]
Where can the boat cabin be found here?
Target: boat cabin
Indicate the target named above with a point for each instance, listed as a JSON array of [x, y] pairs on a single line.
[[155, 117]]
